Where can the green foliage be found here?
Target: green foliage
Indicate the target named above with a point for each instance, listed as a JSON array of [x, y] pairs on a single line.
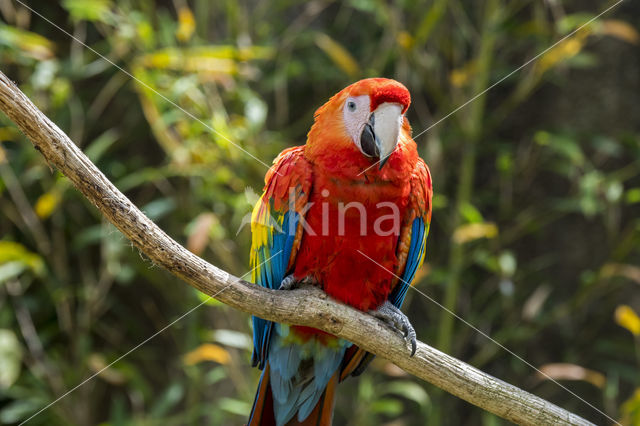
[[10, 358], [535, 230]]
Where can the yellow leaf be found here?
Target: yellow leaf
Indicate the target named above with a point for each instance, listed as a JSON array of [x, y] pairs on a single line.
[[30, 44], [339, 55], [190, 61], [630, 409], [405, 40], [421, 272], [10, 251], [9, 133], [145, 33], [627, 318], [186, 24], [459, 77], [564, 371], [630, 272], [207, 352], [47, 204], [98, 364], [563, 51], [574, 44], [216, 60], [620, 30], [474, 231]]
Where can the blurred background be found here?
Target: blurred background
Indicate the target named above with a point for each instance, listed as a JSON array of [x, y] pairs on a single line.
[[536, 228]]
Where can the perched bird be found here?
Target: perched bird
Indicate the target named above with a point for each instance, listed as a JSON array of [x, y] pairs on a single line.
[[349, 211]]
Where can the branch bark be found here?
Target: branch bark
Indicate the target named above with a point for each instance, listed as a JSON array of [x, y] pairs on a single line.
[[308, 306]]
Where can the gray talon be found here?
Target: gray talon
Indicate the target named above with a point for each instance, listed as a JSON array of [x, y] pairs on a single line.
[[394, 317], [289, 282]]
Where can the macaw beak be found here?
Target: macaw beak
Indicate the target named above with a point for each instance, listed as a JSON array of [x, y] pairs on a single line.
[[379, 137]]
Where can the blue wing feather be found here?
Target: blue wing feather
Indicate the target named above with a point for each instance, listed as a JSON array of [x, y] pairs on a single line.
[[272, 270], [414, 258]]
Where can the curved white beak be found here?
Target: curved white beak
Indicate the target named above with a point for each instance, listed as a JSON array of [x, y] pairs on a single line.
[[386, 128], [379, 136]]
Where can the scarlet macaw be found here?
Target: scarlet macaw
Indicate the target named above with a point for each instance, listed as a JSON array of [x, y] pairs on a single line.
[[356, 189]]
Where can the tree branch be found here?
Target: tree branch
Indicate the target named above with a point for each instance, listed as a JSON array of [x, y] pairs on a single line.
[[308, 306]]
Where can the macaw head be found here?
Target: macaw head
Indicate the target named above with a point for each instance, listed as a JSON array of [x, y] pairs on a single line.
[[366, 118]]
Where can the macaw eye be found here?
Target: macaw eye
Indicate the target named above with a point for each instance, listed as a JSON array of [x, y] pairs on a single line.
[[351, 106]]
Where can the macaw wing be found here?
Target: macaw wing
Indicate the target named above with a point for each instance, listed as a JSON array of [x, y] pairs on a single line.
[[276, 230], [412, 245], [410, 252]]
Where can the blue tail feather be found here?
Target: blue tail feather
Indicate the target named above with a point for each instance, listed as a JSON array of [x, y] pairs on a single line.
[[300, 372]]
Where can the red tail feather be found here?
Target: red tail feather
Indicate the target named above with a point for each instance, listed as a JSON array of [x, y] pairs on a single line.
[[262, 412]]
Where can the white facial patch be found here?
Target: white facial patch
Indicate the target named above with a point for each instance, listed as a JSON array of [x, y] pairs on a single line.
[[356, 112]]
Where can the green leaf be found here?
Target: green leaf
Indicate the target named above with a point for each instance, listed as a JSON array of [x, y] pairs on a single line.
[[101, 144], [633, 196], [44, 74], [235, 406], [614, 191], [158, 208], [215, 375], [387, 406], [256, 111], [365, 389], [562, 145], [504, 163], [169, 398], [18, 410], [208, 299], [11, 270], [409, 390], [232, 338], [608, 146], [571, 22], [82, 10], [439, 201], [470, 213], [10, 358], [508, 263]]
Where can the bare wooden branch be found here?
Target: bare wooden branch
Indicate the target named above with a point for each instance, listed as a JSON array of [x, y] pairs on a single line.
[[308, 306]]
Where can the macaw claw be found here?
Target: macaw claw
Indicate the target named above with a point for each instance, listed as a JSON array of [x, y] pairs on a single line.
[[290, 283], [393, 316]]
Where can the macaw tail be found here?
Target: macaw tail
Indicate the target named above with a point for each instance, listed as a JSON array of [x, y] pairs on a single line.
[[262, 410], [263, 414]]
